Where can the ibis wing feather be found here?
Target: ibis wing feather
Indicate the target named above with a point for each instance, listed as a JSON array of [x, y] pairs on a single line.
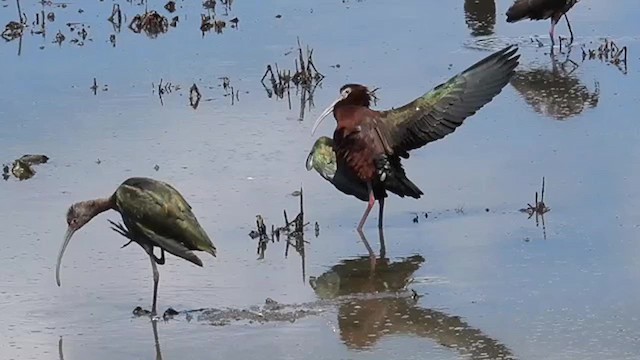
[[161, 209], [324, 160], [169, 245], [440, 111]]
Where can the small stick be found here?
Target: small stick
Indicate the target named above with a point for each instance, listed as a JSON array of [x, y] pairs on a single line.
[[20, 12], [301, 223]]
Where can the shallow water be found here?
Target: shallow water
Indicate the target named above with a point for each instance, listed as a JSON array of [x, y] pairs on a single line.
[[491, 284]]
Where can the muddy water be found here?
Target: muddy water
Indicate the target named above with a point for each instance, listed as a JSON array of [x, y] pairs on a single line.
[[490, 284]]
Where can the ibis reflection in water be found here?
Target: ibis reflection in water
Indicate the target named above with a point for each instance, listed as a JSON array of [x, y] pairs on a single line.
[[555, 91], [480, 16], [366, 315], [542, 10], [154, 214], [364, 159]]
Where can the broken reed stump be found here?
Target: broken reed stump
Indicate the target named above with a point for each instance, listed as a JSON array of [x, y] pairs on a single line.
[[540, 208], [151, 23], [292, 231], [608, 52]]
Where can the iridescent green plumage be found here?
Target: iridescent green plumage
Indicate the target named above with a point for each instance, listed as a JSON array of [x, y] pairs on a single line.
[[158, 215], [440, 111], [369, 144], [322, 158], [154, 215]]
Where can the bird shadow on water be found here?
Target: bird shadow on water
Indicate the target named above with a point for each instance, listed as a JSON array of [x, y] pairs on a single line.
[[372, 304], [556, 90]]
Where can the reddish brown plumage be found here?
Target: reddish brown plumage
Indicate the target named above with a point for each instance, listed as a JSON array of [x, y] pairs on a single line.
[[355, 141], [369, 144]]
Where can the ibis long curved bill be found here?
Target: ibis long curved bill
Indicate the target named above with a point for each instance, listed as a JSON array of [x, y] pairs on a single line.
[[67, 238], [326, 112]]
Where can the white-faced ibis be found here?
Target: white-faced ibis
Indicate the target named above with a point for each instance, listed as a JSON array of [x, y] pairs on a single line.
[[369, 143], [542, 10], [155, 215]]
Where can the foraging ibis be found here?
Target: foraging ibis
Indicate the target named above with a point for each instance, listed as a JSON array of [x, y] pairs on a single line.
[[154, 214], [542, 10]]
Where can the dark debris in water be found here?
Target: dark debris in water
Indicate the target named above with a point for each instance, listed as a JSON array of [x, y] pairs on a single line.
[[22, 168], [164, 88], [212, 20], [13, 30], [139, 311], [194, 96], [150, 22], [116, 18], [170, 6], [229, 90], [538, 209]]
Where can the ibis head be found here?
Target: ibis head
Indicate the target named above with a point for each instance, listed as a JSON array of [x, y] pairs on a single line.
[[78, 215], [350, 94]]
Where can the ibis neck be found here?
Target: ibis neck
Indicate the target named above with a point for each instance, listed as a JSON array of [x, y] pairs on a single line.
[[101, 205]]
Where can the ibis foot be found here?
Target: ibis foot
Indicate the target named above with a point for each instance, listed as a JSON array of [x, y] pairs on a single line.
[[169, 314], [139, 311]]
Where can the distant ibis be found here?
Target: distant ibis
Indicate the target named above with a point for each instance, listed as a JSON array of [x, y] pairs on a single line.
[[368, 144], [154, 214], [542, 10]]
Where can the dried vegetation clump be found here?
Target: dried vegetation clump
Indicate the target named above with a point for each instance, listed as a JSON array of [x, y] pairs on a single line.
[[22, 168], [538, 209], [292, 231], [609, 52], [152, 23], [305, 79], [211, 20]]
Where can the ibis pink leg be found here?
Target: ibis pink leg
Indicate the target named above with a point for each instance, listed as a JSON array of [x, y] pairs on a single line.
[[570, 30], [372, 201], [383, 248]]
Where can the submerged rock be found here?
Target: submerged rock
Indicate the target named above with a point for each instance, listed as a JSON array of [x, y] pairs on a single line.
[[21, 168], [34, 159]]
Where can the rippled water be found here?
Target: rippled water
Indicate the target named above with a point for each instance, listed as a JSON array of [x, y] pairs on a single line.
[[489, 284]]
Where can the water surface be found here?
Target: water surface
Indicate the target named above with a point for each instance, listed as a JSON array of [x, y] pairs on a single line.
[[490, 284]]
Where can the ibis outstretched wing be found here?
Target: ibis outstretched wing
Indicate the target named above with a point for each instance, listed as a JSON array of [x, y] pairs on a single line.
[[440, 111]]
